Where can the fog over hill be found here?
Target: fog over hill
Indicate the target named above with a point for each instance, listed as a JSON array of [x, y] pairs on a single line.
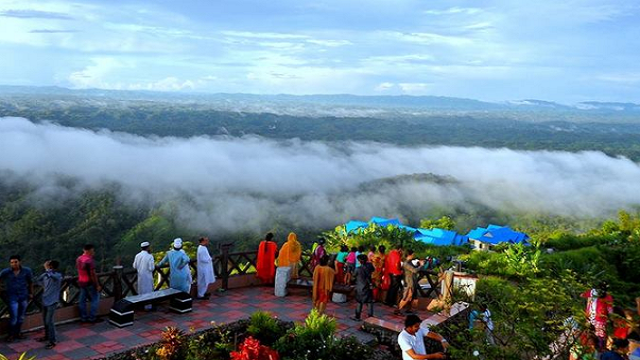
[[224, 183]]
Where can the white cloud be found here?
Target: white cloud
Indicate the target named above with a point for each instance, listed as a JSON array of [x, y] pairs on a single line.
[[626, 78], [414, 88], [384, 86], [263, 35], [454, 10], [330, 43]]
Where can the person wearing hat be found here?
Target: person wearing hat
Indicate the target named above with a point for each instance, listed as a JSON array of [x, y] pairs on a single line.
[[144, 265], [180, 274]]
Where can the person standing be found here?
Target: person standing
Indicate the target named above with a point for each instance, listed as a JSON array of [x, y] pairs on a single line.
[[350, 265], [317, 254], [50, 281], [378, 264], [144, 265], [323, 277], [179, 272], [411, 340], [599, 307], [89, 286], [18, 281], [290, 254], [393, 270], [265, 260], [364, 286], [205, 269], [341, 259], [410, 285]]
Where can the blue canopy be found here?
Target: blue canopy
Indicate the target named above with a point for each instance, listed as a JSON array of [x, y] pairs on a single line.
[[438, 237], [495, 234]]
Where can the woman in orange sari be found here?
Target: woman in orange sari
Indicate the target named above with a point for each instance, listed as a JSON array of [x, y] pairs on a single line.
[[290, 254], [323, 277], [377, 260], [265, 261]]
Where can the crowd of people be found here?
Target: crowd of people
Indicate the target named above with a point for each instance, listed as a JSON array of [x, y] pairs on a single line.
[[374, 275], [611, 332], [18, 284]]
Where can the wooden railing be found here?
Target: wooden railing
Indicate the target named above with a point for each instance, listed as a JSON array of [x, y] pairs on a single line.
[[120, 282]]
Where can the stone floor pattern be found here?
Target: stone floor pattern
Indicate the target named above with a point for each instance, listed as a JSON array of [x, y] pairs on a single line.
[[86, 341]]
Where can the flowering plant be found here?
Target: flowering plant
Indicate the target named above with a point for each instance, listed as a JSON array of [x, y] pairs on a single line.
[[251, 349]]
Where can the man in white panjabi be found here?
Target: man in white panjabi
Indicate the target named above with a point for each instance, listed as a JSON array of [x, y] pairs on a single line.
[[205, 269], [144, 265]]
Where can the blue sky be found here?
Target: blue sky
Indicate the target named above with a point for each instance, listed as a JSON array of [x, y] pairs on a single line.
[[566, 51]]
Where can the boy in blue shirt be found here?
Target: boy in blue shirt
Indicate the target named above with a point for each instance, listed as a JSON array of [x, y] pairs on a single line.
[[50, 280]]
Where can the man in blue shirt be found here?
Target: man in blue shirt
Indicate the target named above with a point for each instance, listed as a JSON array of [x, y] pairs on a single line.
[[18, 291]]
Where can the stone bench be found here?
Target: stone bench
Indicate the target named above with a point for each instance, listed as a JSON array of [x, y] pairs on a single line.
[[121, 313]]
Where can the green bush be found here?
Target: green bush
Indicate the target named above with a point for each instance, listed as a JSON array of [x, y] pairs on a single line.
[[350, 348], [265, 328], [312, 340]]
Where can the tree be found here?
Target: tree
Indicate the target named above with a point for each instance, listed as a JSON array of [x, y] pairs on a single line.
[[444, 222]]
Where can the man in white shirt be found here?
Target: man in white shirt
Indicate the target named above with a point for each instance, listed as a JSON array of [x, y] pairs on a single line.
[[206, 275], [411, 340], [144, 265]]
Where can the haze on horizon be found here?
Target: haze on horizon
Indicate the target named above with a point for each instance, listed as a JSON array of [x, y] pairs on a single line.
[[492, 50]]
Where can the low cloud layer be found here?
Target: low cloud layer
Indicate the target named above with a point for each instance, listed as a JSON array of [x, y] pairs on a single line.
[[246, 183]]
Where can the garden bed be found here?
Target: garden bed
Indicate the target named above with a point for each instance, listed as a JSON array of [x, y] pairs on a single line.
[[260, 337]]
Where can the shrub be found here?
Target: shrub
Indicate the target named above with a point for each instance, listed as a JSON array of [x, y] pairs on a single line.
[[172, 345], [350, 348], [312, 340], [265, 328]]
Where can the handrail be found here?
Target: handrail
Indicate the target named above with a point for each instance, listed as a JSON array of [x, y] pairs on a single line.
[[121, 282]]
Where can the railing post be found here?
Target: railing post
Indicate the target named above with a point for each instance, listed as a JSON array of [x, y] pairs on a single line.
[[224, 262], [117, 282]]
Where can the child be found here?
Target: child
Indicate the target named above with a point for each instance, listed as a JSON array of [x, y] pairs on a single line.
[[50, 280], [350, 266], [341, 259]]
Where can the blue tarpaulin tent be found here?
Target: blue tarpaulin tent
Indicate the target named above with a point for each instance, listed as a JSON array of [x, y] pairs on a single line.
[[438, 237], [495, 234]]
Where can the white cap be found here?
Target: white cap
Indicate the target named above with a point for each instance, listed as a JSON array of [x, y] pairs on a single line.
[[177, 243], [144, 244]]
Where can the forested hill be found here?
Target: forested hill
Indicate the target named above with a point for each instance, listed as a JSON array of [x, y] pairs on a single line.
[[490, 129]]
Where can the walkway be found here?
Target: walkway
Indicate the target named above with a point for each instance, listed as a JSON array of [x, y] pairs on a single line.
[[81, 341]]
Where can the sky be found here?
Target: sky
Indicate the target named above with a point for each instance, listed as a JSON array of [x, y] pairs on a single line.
[[223, 184], [494, 50]]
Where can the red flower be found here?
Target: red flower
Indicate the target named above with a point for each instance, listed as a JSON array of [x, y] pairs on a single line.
[[251, 349]]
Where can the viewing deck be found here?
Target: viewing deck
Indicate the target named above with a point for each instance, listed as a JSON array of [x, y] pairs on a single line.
[[85, 341]]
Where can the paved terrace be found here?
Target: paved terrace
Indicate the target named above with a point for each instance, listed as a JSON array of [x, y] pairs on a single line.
[[85, 341]]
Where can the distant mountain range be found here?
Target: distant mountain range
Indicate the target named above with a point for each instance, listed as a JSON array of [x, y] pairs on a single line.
[[423, 103]]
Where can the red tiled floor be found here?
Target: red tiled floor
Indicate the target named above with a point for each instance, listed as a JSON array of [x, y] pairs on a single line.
[[78, 341]]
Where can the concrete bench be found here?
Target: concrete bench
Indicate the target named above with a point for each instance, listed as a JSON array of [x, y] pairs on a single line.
[[121, 313]]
